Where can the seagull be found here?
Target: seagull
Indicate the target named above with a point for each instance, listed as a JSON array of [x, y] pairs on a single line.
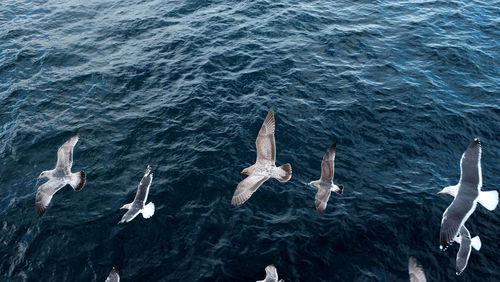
[[416, 272], [468, 191], [325, 183], [465, 248], [137, 206], [113, 276], [264, 167], [59, 176], [271, 274]]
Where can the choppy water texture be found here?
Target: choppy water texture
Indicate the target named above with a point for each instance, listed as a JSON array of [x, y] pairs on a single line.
[[184, 86]]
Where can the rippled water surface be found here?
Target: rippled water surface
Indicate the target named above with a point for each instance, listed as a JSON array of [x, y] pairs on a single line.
[[402, 86]]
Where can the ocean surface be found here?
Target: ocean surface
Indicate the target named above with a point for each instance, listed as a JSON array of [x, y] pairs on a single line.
[[184, 86]]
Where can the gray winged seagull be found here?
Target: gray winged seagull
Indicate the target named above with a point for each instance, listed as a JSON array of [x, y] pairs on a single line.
[[113, 276], [265, 165], [325, 184], [466, 244], [468, 191], [416, 272], [138, 205], [271, 275], [59, 176]]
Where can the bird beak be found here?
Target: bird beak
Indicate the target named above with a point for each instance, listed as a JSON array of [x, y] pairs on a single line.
[[440, 192]]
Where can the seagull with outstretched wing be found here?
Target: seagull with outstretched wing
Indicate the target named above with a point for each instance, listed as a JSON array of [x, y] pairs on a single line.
[[59, 176], [325, 184], [265, 165], [139, 203]]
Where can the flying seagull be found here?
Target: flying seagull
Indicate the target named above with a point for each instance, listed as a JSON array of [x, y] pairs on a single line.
[[137, 206], [465, 248], [271, 274], [467, 195], [325, 183], [416, 272], [59, 176], [265, 167], [113, 276]]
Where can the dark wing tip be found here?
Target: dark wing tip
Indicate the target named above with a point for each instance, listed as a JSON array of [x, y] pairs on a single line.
[[79, 134], [341, 189], [83, 178], [40, 209], [239, 200]]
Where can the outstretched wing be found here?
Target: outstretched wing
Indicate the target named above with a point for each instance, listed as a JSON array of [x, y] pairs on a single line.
[[321, 201], [246, 188], [130, 214], [266, 146], [113, 276], [327, 165], [416, 272], [44, 194], [470, 164], [464, 251], [456, 214], [143, 189], [65, 153]]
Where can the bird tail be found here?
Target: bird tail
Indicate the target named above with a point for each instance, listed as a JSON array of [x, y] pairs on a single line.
[[284, 172], [476, 243], [78, 180], [488, 199], [341, 189], [148, 210]]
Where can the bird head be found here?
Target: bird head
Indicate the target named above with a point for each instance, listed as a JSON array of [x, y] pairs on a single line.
[[125, 207], [43, 175], [450, 190], [245, 171]]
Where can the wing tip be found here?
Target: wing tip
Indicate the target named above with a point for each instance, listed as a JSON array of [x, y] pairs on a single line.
[[270, 119], [40, 210], [83, 180], [240, 199]]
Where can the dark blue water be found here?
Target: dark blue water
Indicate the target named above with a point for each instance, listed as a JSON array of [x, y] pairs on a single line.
[[184, 86]]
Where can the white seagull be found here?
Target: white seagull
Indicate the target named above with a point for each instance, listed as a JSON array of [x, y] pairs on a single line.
[[271, 274], [59, 176], [265, 166], [138, 205], [113, 276], [325, 183], [467, 195]]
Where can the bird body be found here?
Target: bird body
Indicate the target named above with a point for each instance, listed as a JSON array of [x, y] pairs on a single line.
[[466, 198], [265, 165], [141, 196], [325, 184], [59, 176]]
